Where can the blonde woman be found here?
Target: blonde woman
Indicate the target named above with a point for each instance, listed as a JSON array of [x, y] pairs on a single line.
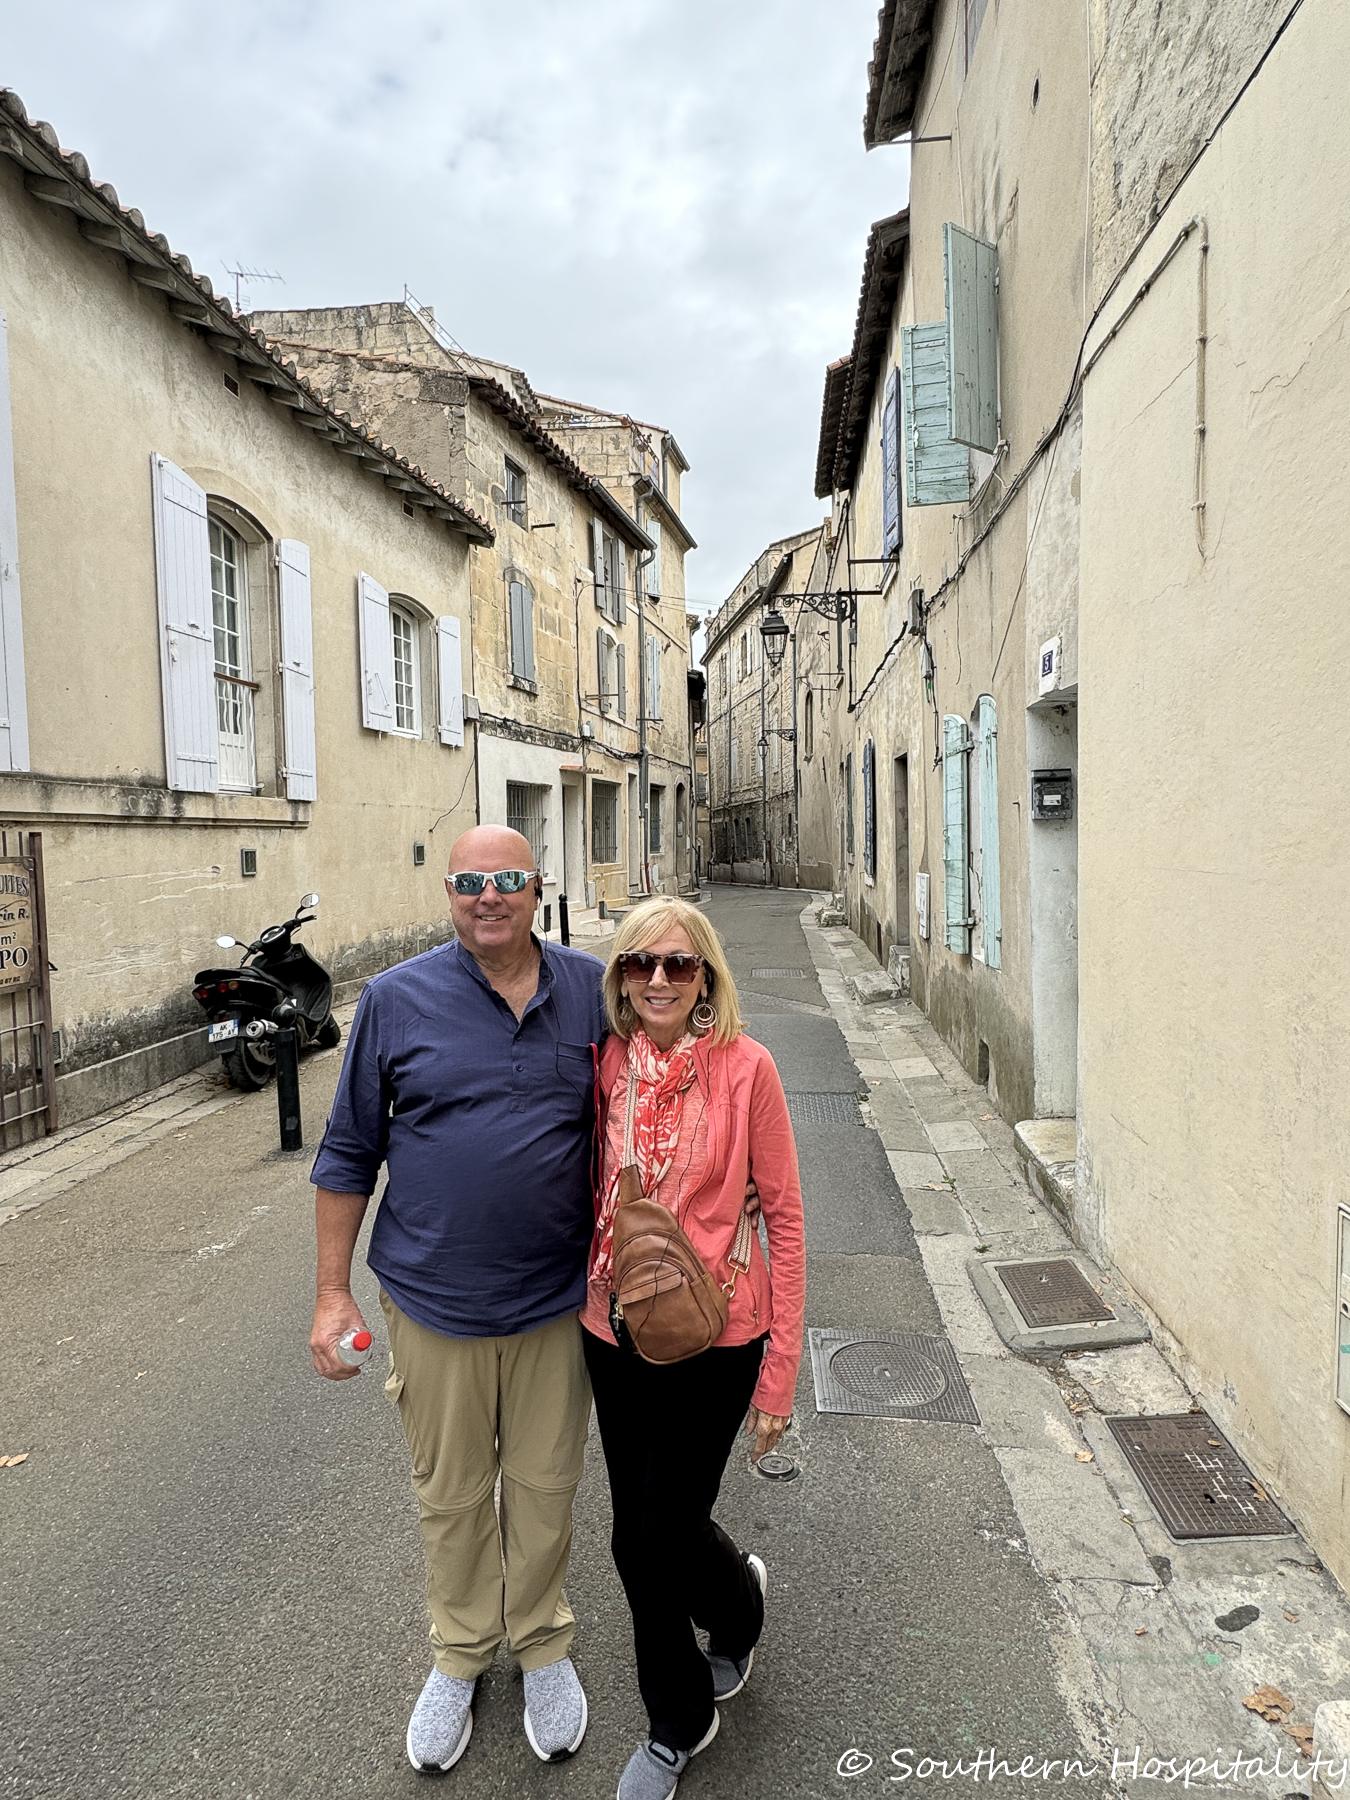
[[710, 1115]]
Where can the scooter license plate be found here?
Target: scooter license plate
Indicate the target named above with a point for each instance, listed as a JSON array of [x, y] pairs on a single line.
[[222, 1031]]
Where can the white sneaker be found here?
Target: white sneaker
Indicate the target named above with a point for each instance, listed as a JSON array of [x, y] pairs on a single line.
[[441, 1723]]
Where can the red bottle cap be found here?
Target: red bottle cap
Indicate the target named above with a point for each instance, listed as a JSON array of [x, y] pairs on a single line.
[[362, 1341]]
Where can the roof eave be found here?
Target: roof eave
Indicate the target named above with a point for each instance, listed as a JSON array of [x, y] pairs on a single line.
[[895, 73]]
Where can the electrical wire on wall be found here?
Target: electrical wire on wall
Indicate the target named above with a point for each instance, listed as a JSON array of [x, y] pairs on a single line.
[[473, 761]]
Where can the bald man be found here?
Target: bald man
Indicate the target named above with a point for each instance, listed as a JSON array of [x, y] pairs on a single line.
[[470, 1075]]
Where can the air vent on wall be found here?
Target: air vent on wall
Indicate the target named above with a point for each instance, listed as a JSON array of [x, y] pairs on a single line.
[[248, 862]]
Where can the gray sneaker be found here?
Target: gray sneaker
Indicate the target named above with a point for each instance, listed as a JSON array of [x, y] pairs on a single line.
[[654, 1770], [441, 1723], [555, 1710], [730, 1674]]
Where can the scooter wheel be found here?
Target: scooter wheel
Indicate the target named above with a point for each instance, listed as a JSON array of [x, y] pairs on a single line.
[[250, 1066], [329, 1034]]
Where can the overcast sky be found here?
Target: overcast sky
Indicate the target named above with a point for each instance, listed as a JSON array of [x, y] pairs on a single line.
[[654, 205]]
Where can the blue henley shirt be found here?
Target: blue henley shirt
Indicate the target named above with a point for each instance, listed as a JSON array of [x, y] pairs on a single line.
[[485, 1124]]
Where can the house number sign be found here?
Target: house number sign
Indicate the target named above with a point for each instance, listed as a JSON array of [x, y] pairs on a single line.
[[18, 963]]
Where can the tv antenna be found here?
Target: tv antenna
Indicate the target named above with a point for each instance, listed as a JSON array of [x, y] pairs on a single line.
[[243, 276]]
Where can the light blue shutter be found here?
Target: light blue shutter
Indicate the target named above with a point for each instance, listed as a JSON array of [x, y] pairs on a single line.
[[620, 582], [970, 277], [522, 631], [13, 688], [955, 833], [450, 681], [937, 471], [602, 667], [621, 679], [890, 466], [187, 637], [654, 566], [993, 921], [297, 670], [377, 655]]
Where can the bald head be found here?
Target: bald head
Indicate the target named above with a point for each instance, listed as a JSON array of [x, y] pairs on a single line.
[[488, 848]]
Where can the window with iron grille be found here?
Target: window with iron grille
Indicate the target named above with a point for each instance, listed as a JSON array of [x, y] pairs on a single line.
[[234, 684], [515, 493], [527, 813], [604, 822], [407, 707]]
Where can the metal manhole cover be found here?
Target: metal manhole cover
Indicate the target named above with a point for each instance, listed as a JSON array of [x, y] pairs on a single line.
[[774, 1467], [1052, 1293], [824, 1109], [1198, 1482], [901, 1377], [778, 974]]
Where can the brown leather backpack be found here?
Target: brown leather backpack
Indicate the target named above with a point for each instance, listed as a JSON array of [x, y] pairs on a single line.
[[666, 1298]]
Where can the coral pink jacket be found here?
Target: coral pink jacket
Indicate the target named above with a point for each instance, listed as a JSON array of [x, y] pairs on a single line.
[[749, 1134]]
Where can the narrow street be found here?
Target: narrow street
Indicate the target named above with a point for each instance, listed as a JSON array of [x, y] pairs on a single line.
[[215, 1576]]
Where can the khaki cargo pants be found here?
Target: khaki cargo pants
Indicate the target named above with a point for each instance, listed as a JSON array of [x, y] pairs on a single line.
[[473, 1408]]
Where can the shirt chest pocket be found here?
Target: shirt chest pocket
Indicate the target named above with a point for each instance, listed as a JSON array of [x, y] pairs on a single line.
[[576, 1071]]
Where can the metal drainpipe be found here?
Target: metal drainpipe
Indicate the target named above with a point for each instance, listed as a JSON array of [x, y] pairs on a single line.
[[763, 767], [644, 765], [796, 780]]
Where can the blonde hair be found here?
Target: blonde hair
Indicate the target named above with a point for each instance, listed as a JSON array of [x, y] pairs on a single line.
[[645, 924]]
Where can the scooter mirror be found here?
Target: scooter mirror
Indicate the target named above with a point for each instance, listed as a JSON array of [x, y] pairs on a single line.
[[310, 900], [228, 943]]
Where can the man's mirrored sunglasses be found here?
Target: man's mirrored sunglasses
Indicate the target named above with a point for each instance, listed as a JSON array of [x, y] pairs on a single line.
[[506, 881], [641, 965]]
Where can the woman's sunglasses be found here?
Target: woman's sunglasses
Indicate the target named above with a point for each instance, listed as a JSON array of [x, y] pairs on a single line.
[[506, 881], [641, 965]]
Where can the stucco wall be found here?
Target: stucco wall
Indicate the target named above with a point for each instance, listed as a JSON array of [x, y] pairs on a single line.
[[1214, 843], [141, 881]]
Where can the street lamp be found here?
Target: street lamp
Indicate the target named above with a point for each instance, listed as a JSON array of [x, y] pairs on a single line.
[[774, 631]]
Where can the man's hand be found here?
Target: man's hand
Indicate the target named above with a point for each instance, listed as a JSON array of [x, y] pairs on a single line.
[[766, 1429], [752, 1206], [335, 1312]]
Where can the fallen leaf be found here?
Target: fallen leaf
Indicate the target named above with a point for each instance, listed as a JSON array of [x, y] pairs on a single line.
[[69, 1340], [1302, 1736], [143, 1372], [984, 1116], [1083, 1455], [1215, 1443], [1141, 1631], [1269, 1703], [1257, 1489], [935, 1187], [1292, 1618], [12, 1462]]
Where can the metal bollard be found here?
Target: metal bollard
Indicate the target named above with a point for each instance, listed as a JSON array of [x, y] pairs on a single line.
[[564, 928], [287, 1053]]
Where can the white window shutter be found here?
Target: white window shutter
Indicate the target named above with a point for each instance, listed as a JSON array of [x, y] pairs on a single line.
[[377, 655], [297, 670], [598, 565], [13, 689], [450, 676], [654, 566], [602, 667], [621, 678], [187, 633], [955, 830], [621, 570]]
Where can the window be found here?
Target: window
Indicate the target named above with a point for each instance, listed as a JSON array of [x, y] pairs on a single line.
[[234, 688], [653, 568], [604, 822], [701, 788], [407, 673], [653, 677], [955, 829], [809, 725], [515, 493], [722, 673], [848, 805], [656, 799], [869, 811], [527, 813], [521, 610], [744, 664], [735, 758]]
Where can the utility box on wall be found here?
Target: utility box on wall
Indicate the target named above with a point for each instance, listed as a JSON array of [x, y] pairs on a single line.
[[1052, 793], [1343, 1308]]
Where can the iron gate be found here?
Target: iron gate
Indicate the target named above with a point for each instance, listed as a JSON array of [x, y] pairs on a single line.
[[27, 1077]]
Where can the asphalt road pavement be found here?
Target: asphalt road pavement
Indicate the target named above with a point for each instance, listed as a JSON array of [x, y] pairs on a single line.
[[213, 1575]]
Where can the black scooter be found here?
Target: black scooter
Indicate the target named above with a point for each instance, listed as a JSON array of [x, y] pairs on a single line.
[[241, 1004]]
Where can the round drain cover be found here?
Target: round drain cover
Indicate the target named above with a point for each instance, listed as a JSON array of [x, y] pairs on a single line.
[[891, 1374], [774, 1467]]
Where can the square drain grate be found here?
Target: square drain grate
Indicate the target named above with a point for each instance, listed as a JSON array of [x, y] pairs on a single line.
[[1198, 1482], [1052, 1293], [903, 1377], [778, 974], [824, 1109]]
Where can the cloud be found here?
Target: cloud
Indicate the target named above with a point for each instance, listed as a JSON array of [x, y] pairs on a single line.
[[646, 205]]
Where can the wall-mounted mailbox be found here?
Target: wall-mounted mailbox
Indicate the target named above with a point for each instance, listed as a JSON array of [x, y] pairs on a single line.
[[1052, 793]]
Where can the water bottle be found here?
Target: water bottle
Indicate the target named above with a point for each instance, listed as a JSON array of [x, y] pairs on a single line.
[[353, 1348]]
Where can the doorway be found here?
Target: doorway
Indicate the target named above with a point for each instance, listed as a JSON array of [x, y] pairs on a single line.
[[1052, 744], [901, 785]]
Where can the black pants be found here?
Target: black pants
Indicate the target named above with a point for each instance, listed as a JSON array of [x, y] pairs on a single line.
[[667, 1433]]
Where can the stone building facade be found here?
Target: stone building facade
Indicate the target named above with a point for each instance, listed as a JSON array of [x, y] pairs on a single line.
[[579, 643]]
